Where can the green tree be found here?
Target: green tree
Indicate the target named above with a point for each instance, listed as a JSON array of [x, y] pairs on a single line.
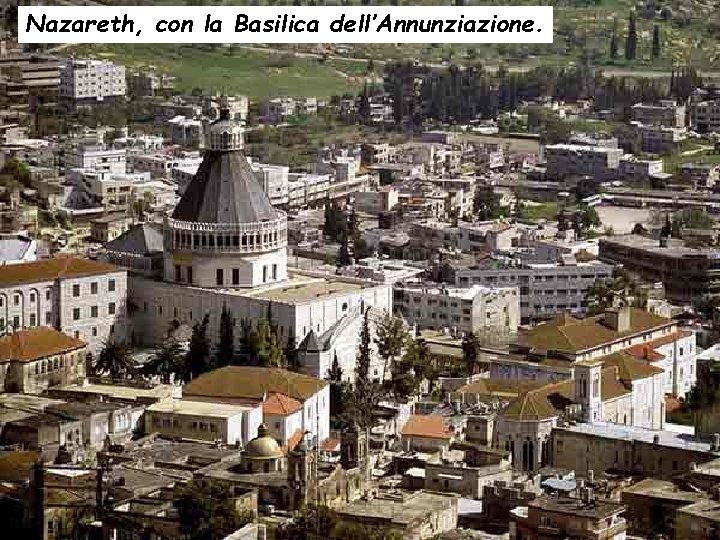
[[366, 395], [631, 40], [691, 218], [614, 41], [206, 510], [391, 338], [166, 362], [335, 222], [471, 351], [197, 360], [226, 345], [656, 42], [338, 390], [314, 522], [114, 361], [408, 372], [292, 359], [18, 170], [343, 256], [619, 291], [270, 353], [589, 218], [486, 203]]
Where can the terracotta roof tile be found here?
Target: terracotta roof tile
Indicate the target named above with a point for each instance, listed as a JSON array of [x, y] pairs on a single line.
[[426, 425], [36, 343], [253, 383], [15, 467], [51, 269], [293, 441], [570, 334], [281, 405], [645, 352], [630, 368], [330, 445], [499, 387], [672, 404]]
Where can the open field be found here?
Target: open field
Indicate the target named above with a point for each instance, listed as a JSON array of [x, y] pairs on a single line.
[[231, 69]]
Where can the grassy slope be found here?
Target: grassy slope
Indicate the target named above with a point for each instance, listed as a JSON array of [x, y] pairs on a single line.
[[231, 70]]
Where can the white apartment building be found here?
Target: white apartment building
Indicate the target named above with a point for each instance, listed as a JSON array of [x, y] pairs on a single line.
[[162, 165], [705, 115], [473, 309], [113, 191], [274, 180], [563, 160], [636, 170], [545, 289], [92, 81], [97, 157], [186, 131], [82, 298], [665, 113]]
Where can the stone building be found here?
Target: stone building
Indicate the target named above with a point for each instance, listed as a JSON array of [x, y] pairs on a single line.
[[33, 360], [82, 298], [226, 246]]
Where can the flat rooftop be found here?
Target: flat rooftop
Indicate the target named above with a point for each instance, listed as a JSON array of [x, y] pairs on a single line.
[[662, 489], [707, 509], [14, 407], [674, 249], [199, 408], [631, 433], [129, 393], [399, 507], [301, 288]]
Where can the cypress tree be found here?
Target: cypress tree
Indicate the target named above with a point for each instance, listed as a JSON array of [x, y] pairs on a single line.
[[631, 41], [226, 345], [656, 42], [198, 355]]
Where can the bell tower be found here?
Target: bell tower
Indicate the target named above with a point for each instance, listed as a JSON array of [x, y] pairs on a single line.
[[302, 472]]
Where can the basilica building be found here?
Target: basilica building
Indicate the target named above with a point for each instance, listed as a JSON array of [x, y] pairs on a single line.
[[225, 245]]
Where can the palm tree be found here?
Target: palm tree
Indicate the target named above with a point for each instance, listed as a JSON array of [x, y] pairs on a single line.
[[166, 362], [114, 360]]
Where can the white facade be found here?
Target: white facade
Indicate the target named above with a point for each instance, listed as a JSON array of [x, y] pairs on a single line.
[[88, 307], [475, 309], [92, 80], [99, 158]]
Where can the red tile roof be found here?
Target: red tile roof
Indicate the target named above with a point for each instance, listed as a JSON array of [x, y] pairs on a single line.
[[281, 405], [426, 425], [293, 441], [672, 404], [52, 269], [646, 351], [36, 343], [330, 445]]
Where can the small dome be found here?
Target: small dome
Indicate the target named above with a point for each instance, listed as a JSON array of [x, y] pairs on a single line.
[[263, 446]]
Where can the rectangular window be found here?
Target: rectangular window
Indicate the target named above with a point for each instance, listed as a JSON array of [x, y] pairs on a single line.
[[94, 331], [94, 287], [32, 298], [16, 299], [16, 322], [76, 290], [111, 308], [235, 276], [265, 274], [33, 319], [274, 271], [219, 278], [178, 273], [76, 314], [93, 311], [189, 274], [111, 285], [48, 317], [47, 295]]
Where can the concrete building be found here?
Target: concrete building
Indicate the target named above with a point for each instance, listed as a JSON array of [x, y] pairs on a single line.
[[559, 516], [687, 274], [98, 158], [415, 516], [92, 81], [268, 395], [427, 433], [33, 360], [565, 160], [203, 421], [82, 298], [666, 113], [17, 248], [545, 289], [700, 175], [225, 245], [705, 115], [629, 450], [639, 171], [478, 309], [656, 139]]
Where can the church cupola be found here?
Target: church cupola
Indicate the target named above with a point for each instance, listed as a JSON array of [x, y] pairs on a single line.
[[225, 135]]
